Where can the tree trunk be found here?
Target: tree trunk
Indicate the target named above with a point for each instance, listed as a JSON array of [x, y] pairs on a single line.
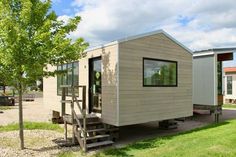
[[4, 89], [21, 127]]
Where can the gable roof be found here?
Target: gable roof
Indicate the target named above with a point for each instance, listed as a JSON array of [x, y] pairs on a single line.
[[214, 51], [141, 36], [230, 69]]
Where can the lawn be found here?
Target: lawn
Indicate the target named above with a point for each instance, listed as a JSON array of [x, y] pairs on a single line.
[[6, 107], [32, 126], [229, 106], [218, 140]]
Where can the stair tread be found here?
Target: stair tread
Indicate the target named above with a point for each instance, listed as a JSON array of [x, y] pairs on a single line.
[[96, 130], [93, 123], [66, 101], [81, 117], [97, 137], [97, 144]]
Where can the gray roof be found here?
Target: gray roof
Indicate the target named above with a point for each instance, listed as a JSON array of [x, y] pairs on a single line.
[[214, 51], [217, 49], [140, 36]]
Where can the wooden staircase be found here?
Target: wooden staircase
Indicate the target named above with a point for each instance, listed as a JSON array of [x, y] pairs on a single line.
[[87, 129]]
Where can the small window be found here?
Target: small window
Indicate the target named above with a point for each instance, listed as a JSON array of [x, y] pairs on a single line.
[[70, 77], [229, 85], [159, 73]]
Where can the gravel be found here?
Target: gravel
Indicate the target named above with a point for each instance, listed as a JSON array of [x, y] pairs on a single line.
[[38, 143]]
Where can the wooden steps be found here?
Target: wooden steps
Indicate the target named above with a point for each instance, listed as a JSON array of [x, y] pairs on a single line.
[[97, 134], [99, 144], [98, 137], [87, 129], [91, 119], [96, 130]]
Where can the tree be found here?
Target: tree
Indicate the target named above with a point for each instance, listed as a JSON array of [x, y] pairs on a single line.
[[31, 38]]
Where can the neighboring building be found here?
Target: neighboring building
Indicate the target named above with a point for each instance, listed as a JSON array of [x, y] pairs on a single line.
[[134, 80], [230, 84], [208, 78]]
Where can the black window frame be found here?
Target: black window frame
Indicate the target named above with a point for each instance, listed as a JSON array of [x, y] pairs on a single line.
[[231, 93], [163, 60], [68, 93]]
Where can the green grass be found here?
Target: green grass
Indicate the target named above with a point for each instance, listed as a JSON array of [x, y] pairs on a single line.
[[32, 126], [218, 140], [229, 106], [6, 107]]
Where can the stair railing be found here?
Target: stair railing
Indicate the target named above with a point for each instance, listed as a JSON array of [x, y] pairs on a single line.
[[74, 115]]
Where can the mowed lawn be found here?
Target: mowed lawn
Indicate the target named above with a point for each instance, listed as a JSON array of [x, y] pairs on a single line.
[[217, 140], [229, 106]]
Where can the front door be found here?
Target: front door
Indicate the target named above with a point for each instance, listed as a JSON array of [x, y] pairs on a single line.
[[95, 85]]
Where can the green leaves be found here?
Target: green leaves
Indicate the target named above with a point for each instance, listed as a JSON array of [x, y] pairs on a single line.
[[31, 37]]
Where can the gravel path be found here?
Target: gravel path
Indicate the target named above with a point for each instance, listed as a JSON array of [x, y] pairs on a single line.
[[38, 143], [32, 111]]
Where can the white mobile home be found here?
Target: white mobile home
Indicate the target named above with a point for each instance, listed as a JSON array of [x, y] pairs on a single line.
[[230, 85], [133, 80], [208, 78]]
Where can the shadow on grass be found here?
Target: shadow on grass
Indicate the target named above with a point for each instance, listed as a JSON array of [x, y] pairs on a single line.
[[152, 143], [44, 149]]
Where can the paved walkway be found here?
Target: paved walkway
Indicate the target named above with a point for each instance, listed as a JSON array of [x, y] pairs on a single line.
[[32, 111], [133, 133]]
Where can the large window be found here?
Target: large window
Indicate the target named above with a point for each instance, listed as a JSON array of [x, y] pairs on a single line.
[[160, 73], [70, 77], [229, 85]]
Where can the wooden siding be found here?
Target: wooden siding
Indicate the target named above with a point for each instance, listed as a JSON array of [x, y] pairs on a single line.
[[138, 104], [109, 84], [109, 80], [50, 98]]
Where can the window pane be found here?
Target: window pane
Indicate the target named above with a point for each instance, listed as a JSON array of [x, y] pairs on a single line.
[[59, 81], [69, 77], [64, 75], [76, 76], [76, 73], [160, 73], [229, 84]]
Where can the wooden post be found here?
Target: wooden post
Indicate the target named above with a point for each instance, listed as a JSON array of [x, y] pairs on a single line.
[[72, 115], [84, 117], [84, 130], [84, 98], [63, 105], [65, 131]]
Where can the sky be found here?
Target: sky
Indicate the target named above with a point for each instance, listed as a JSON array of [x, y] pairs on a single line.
[[198, 24]]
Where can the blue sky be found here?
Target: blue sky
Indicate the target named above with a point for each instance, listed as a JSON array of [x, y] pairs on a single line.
[[198, 24]]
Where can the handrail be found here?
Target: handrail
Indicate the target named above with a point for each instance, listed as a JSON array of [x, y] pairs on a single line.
[[76, 100], [75, 116], [77, 119]]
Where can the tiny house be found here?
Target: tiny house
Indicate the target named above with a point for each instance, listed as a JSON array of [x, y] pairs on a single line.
[[208, 78], [133, 80], [230, 85]]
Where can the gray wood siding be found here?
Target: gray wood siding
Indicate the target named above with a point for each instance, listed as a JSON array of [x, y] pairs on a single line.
[[109, 84], [138, 104], [204, 87]]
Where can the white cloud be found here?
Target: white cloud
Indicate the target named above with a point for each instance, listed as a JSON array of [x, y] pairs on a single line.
[[64, 18], [208, 23]]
